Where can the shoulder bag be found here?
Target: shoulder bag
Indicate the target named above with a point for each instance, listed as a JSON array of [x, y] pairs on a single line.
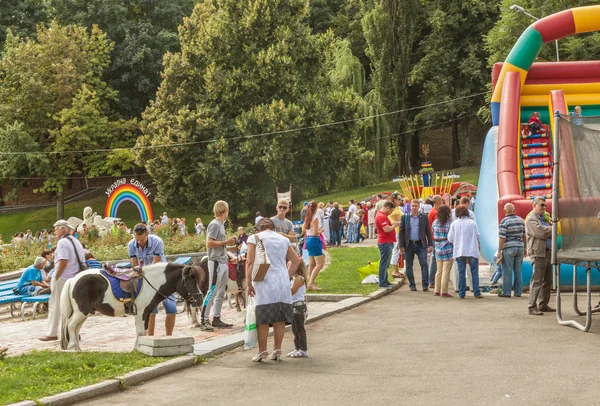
[[261, 261], [82, 266]]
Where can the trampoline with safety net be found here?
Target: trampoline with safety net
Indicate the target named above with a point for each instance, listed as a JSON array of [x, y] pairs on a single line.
[[576, 206]]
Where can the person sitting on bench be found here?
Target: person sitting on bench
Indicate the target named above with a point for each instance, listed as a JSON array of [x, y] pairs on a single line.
[[32, 282]]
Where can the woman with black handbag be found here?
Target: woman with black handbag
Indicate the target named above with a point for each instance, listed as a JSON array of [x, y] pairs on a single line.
[[268, 278]]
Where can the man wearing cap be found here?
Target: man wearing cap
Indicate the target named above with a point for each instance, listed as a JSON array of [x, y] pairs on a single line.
[[67, 259], [147, 249]]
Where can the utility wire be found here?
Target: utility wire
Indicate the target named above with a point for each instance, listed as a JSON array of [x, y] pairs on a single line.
[[195, 170], [181, 144]]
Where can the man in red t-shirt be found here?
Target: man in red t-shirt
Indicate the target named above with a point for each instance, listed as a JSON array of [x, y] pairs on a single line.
[[431, 217], [386, 237]]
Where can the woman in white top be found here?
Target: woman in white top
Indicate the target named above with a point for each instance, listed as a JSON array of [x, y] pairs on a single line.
[[464, 235], [199, 227], [324, 220], [312, 228], [273, 295]]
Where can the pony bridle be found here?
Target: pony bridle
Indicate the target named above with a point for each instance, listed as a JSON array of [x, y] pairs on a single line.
[[194, 296]]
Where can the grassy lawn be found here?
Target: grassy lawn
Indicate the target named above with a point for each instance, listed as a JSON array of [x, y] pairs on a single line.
[[44, 218], [38, 374], [341, 276]]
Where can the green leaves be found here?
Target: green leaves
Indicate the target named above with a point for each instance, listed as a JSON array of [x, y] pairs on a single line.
[[246, 69]]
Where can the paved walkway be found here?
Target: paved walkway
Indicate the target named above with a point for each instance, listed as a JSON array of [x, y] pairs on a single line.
[[409, 348], [101, 333]]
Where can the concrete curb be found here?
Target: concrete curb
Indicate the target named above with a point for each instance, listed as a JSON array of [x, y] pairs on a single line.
[[205, 349], [82, 394], [145, 374]]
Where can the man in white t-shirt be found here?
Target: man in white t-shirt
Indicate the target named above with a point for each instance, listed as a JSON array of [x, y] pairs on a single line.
[[67, 259], [352, 231]]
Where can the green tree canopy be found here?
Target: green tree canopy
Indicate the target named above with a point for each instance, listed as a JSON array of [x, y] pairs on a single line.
[[452, 62], [52, 100], [142, 32], [21, 17], [247, 69], [391, 30]]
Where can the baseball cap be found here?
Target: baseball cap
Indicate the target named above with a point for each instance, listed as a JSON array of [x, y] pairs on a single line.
[[63, 223], [305, 203]]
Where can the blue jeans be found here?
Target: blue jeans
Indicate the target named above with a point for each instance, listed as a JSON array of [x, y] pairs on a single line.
[[385, 255], [432, 267], [336, 237], [411, 250], [462, 277], [351, 237], [512, 263]]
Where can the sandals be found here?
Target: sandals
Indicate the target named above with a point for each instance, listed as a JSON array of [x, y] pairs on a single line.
[[260, 356], [275, 355]]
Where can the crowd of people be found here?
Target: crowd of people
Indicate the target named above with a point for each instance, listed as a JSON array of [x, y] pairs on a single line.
[[438, 235], [450, 236]]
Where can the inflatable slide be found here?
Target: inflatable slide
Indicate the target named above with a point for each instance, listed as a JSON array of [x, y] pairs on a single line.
[[516, 165]]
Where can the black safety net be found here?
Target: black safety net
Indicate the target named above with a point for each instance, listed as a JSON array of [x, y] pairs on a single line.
[[579, 189]]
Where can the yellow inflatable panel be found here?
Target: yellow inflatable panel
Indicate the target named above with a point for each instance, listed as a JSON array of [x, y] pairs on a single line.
[[568, 88], [582, 224], [586, 19], [571, 99], [507, 67]]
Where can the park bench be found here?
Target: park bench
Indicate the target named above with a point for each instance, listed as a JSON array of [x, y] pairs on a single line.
[[11, 300], [183, 260], [35, 300]]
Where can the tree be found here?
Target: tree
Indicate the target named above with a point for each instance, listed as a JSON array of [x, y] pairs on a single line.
[[21, 17], [452, 62], [142, 31], [53, 100], [392, 29], [248, 75]]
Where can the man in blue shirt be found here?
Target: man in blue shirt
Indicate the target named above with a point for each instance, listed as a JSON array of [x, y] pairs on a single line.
[[32, 281], [148, 249]]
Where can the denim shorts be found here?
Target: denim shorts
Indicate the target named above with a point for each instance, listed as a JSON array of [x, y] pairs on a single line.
[[314, 246], [170, 305]]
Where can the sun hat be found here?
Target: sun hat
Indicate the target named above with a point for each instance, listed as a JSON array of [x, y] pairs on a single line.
[[63, 223]]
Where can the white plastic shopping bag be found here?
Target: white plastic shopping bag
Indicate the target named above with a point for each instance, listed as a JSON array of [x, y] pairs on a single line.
[[251, 335]]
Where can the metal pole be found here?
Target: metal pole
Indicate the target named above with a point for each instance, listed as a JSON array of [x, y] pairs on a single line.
[[555, 191], [557, 58]]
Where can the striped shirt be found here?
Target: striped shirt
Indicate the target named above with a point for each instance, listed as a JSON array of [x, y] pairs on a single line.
[[512, 228], [444, 248]]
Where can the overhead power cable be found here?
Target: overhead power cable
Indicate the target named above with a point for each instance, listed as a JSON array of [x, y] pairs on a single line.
[[182, 144]]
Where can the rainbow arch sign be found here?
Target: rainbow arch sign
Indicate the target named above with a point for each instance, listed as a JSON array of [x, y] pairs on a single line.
[[133, 191]]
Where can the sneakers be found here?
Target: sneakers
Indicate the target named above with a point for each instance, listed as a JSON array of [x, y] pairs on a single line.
[[205, 326], [298, 354], [217, 322], [547, 309], [535, 312]]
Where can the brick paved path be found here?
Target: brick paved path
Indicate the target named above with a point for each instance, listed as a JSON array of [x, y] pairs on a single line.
[[101, 333]]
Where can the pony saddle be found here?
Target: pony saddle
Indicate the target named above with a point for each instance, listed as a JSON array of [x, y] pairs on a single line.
[[125, 285]]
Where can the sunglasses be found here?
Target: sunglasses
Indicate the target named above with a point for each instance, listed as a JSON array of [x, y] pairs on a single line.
[[543, 205], [139, 229], [282, 207]]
